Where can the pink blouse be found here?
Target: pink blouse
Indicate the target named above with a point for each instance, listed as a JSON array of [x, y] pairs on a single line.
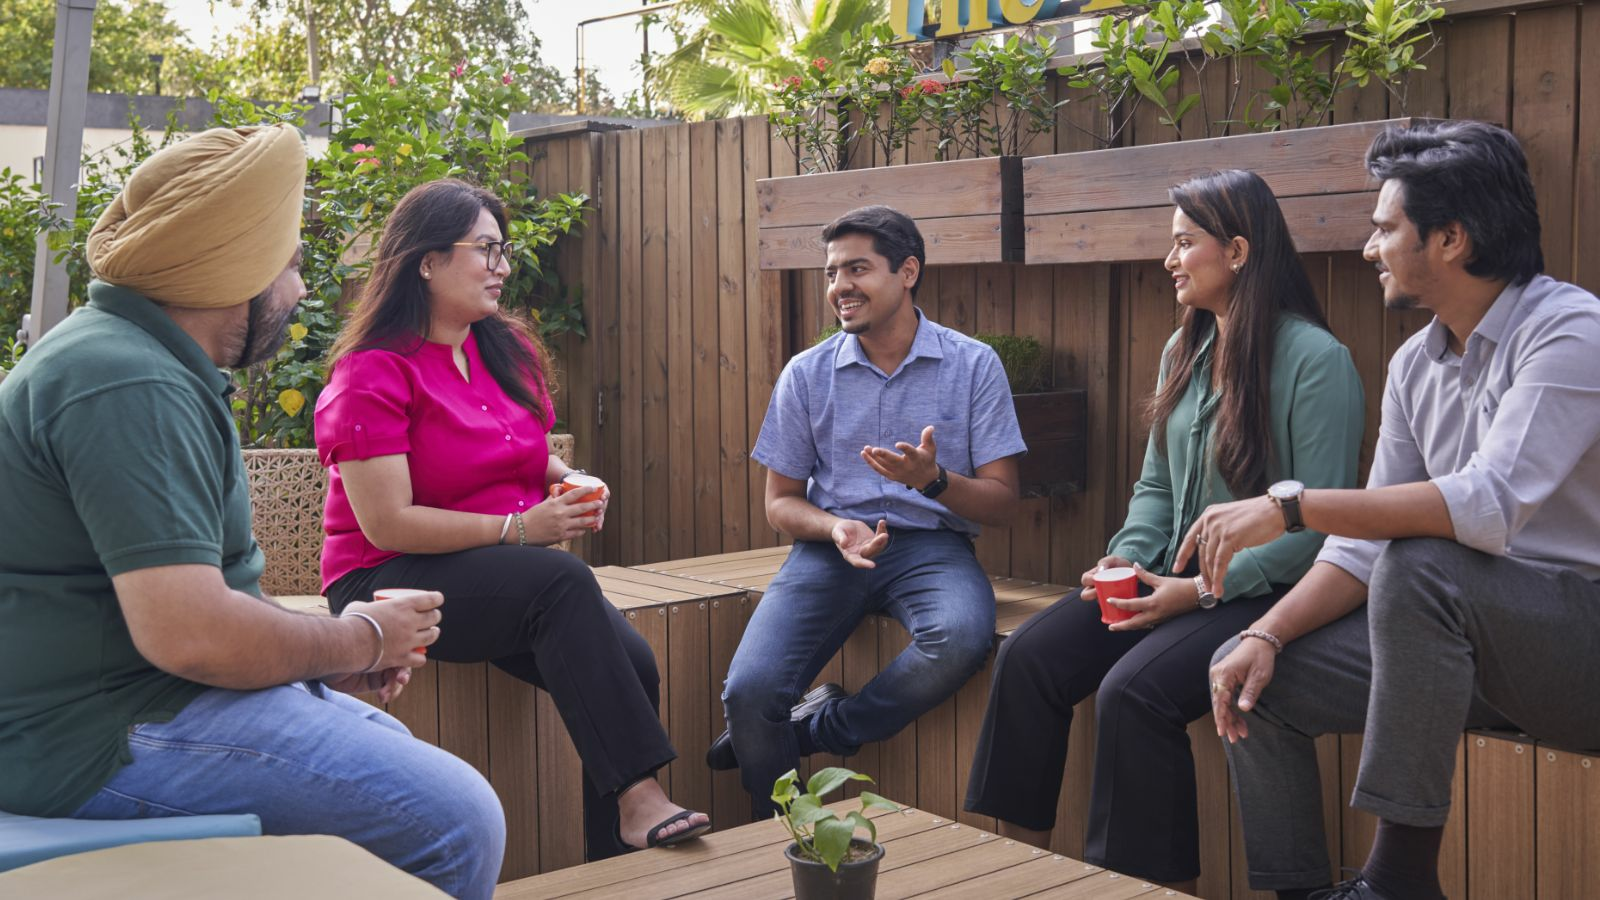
[[469, 446]]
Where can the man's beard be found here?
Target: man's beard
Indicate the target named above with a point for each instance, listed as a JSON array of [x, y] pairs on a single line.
[[264, 331], [1401, 302]]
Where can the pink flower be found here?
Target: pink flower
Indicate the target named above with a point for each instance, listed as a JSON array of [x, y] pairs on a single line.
[[907, 91], [929, 86], [506, 78], [794, 81], [359, 149], [821, 63], [391, 81]]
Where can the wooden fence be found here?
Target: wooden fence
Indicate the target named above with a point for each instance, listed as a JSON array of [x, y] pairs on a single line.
[[687, 335]]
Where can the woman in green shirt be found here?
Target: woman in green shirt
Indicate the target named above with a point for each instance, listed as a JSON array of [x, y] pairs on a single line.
[[1253, 389]]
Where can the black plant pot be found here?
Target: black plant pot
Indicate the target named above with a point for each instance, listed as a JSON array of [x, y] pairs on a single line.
[[856, 880]]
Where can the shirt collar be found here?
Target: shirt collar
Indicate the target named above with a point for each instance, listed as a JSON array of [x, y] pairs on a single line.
[[143, 312], [1492, 327], [925, 344]]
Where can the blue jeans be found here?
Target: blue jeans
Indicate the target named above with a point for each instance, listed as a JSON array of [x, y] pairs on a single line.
[[931, 583], [309, 760]]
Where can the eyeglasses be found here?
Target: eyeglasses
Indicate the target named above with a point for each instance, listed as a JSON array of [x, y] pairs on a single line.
[[493, 251]]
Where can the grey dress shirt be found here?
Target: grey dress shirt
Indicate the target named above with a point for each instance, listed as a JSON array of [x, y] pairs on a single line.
[[1509, 431]]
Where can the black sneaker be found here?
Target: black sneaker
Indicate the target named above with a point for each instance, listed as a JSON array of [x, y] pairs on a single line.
[[720, 756]]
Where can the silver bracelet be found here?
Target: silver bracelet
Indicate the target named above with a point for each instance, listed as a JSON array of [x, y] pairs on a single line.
[[505, 528], [522, 531], [375, 627], [1265, 636]]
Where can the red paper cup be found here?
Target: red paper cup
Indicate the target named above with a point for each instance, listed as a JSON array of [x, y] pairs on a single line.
[[382, 594], [1121, 583], [577, 481]]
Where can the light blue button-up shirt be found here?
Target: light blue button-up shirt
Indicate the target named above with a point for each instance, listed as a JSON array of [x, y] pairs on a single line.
[[831, 401], [1508, 431]]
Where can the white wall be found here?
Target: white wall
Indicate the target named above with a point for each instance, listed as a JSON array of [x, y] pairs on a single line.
[[19, 144]]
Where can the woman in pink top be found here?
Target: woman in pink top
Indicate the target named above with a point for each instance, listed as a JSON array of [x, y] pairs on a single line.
[[433, 427]]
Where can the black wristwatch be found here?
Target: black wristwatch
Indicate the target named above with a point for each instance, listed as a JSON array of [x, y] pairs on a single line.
[[1287, 495], [937, 486]]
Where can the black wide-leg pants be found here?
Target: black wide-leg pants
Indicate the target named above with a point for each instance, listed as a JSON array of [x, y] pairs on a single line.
[[538, 614], [1151, 684]]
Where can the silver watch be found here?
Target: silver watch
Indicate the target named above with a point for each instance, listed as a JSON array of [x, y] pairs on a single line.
[[1206, 599]]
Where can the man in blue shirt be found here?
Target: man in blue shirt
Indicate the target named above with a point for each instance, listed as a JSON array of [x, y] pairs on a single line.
[[886, 446], [1462, 587]]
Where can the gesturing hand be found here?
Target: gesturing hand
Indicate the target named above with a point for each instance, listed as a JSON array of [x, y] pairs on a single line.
[[1223, 530], [1247, 670], [915, 467], [858, 544]]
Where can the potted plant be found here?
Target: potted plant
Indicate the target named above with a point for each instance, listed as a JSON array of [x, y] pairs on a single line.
[[826, 859], [968, 203]]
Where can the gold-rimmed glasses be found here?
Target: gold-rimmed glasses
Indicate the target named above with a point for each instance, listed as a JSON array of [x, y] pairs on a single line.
[[493, 251]]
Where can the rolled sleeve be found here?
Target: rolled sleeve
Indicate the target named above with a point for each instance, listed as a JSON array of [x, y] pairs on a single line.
[[365, 411], [786, 444], [1543, 425]]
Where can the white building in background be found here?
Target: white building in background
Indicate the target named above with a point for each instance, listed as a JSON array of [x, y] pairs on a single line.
[[22, 123]]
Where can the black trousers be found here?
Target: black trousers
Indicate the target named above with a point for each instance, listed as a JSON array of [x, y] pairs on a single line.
[[1152, 684], [539, 615]]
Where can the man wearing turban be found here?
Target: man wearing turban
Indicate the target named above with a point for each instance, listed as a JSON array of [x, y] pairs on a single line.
[[144, 672]]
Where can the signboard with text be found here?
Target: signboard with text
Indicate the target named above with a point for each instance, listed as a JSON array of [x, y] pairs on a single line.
[[961, 17]]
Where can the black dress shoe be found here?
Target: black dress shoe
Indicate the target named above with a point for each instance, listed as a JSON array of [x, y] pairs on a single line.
[[720, 756]]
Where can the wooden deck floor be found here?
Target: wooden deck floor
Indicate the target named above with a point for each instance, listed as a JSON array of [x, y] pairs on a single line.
[[925, 856]]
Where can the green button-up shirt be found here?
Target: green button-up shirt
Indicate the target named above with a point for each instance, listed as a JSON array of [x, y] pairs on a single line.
[[117, 452], [1317, 422]]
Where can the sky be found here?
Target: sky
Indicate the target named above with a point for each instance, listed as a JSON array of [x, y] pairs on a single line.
[[611, 47]]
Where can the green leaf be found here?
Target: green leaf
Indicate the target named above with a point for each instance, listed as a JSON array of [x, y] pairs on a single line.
[[833, 840], [807, 809], [869, 800], [859, 821], [825, 781]]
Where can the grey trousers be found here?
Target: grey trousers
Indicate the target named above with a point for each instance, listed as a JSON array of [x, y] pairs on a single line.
[[1450, 638]]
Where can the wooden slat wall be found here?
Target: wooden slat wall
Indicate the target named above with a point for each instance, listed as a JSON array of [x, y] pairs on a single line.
[[688, 335], [687, 338]]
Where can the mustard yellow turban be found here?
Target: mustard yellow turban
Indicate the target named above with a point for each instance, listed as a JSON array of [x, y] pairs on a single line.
[[207, 222]]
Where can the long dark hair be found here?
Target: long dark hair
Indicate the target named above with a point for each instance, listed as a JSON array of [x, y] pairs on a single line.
[[1272, 284], [393, 311]]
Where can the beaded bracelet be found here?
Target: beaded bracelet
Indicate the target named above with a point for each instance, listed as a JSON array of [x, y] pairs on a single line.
[[1265, 636], [522, 533]]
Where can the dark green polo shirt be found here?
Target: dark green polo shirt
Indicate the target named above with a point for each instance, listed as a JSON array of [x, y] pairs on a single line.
[[117, 452]]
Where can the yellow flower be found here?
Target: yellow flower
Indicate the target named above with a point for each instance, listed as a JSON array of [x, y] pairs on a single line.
[[10, 232], [292, 401], [298, 332], [879, 66], [403, 150]]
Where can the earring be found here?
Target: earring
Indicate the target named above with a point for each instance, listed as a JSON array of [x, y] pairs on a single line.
[[430, 274], [1236, 268]]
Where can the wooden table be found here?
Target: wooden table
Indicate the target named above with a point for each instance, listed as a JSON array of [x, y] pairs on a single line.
[[925, 856]]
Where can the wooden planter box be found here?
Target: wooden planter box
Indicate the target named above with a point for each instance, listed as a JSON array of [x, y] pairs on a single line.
[[969, 210], [1055, 428], [1112, 205]]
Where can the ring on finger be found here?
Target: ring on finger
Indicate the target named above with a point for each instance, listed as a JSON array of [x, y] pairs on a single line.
[[1218, 687], [1201, 539]]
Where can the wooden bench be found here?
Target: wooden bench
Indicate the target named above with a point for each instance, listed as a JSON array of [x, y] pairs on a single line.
[[1518, 827], [1519, 807]]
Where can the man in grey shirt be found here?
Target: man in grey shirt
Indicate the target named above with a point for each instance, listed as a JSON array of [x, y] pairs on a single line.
[[1459, 589]]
